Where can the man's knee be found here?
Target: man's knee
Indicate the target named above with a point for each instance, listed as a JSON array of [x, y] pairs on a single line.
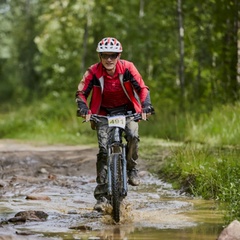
[[132, 150]]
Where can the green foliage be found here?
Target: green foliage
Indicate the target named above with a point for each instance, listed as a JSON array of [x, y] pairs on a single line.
[[229, 182], [47, 45], [60, 44], [51, 120], [220, 127], [167, 124]]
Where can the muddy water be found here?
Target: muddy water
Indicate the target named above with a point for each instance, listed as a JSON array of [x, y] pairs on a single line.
[[151, 211]]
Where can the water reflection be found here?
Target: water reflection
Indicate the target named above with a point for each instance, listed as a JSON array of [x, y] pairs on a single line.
[[202, 231]]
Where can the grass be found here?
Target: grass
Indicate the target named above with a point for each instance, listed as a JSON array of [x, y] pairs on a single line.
[[49, 122], [212, 173], [207, 165], [219, 128]]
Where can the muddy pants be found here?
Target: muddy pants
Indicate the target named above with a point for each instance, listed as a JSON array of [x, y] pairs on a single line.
[[132, 139]]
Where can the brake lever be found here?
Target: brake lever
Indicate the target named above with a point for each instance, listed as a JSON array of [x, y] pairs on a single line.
[[88, 116]]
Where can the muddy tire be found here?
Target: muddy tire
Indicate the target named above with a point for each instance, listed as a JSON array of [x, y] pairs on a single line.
[[116, 186]]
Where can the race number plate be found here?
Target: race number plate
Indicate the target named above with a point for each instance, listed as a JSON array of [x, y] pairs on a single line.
[[117, 121]]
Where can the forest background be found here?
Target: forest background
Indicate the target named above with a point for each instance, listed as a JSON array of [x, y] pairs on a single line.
[[188, 53]]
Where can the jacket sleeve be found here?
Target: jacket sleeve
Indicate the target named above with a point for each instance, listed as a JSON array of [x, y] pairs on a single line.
[[139, 86], [84, 89]]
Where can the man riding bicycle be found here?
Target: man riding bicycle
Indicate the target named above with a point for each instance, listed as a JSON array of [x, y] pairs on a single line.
[[116, 87]]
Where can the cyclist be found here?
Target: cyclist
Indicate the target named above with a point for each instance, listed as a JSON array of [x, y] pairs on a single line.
[[116, 87]]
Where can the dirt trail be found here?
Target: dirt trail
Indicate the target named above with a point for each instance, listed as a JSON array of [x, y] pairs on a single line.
[[25, 159], [66, 174]]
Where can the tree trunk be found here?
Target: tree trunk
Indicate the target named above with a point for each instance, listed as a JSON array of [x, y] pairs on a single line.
[[181, 53], [85, 38]]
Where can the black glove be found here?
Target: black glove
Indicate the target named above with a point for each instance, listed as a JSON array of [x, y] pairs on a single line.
[[148, 109], [82, 109], [82, 112]]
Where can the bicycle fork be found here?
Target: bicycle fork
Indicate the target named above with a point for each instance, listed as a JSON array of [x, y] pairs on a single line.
[[123, 162]]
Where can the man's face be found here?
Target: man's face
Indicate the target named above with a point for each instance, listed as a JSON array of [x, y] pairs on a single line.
[[109, 60]]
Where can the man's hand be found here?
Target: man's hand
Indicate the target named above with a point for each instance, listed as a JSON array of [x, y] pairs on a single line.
[[82, 112], [147, 111]]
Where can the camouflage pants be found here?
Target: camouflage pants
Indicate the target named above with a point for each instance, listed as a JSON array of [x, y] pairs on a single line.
[[103, 133]]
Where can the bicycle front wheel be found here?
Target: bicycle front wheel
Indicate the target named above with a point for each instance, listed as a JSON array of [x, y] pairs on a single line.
[[116, 185]]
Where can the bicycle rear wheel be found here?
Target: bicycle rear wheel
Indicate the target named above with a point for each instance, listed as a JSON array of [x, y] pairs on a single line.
[[116, 185]]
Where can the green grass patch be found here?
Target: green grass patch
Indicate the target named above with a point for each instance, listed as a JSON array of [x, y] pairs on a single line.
[[49, 121], [212, 173], [217, 128]]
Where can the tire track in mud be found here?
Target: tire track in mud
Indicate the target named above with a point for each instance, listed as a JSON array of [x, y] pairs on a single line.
[[66, 174]]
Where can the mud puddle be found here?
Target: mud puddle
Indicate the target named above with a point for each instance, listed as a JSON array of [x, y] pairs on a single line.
[[65, 176]]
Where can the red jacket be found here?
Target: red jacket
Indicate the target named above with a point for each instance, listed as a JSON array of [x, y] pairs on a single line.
[[131, 81]]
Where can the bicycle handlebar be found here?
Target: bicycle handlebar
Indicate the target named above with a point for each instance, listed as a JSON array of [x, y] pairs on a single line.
[[95, 117]]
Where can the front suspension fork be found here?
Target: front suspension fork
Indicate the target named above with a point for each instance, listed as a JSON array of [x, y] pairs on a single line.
[[124, 171], [109, 172]]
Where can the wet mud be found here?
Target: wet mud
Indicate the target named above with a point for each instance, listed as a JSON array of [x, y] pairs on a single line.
[[59, 181]]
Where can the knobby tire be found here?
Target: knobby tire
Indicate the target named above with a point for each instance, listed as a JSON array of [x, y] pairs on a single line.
[[116, 186]]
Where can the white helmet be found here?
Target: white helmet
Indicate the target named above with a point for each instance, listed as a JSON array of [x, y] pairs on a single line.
[[109, 44]]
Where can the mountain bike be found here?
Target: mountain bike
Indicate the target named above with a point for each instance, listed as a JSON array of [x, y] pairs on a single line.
[[117, 186]]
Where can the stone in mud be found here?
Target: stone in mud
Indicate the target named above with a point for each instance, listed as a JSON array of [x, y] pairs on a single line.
[[72, 212], [17, 220], [52, 177], [92, 215], [2, 184], [24, 233], [43, 171], [231, 232], [38, 197], [23, 216]]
